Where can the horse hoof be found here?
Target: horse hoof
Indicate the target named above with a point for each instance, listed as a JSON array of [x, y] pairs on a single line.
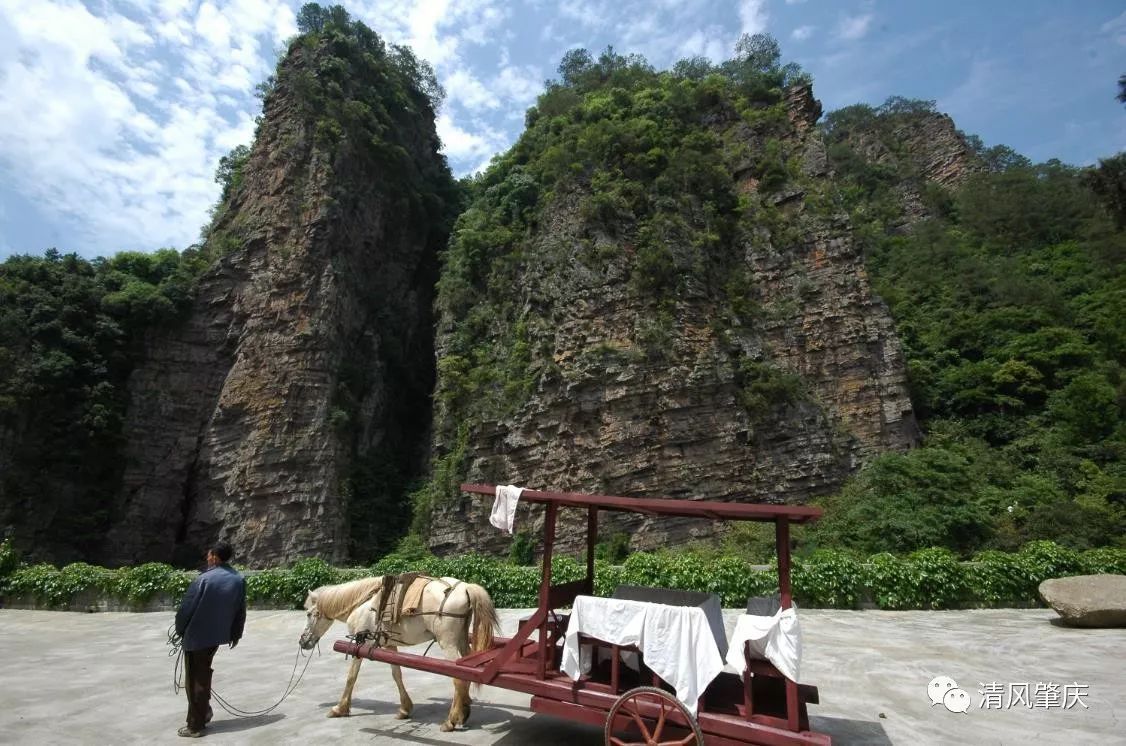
[[447, 726], [403, 715], [336, 712]]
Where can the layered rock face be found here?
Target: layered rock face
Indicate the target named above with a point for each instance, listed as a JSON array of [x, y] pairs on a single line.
[[927, 146], [309, 346], [686, 420]]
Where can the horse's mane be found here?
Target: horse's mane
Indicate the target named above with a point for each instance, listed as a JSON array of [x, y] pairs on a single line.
[[331, 600]]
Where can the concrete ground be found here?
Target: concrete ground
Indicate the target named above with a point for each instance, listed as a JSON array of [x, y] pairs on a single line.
[[107, 679]]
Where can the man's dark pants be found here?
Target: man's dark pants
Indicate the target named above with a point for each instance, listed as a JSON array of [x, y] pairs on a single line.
[[197, 674]]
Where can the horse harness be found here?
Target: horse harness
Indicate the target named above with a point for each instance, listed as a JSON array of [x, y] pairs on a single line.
[[389, 600]]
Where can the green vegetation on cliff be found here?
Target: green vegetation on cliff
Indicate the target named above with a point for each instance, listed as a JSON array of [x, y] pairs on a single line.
[[1010, 301], [70, 333], [629, 156]]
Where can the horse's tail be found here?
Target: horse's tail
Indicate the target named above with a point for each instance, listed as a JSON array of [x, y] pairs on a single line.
[[485, 621]]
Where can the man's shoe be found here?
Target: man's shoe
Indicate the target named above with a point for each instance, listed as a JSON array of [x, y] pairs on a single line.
[[187, 732]]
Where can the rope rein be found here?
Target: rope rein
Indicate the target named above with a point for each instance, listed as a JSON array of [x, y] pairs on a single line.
[[175, 644]]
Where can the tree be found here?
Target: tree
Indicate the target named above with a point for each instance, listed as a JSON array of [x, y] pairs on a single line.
[[1002, 158], [903, 105], [311, 18], [229, 172], [1122, 88], [758, 52], [696, 67], [1108, 181], [574, 66]]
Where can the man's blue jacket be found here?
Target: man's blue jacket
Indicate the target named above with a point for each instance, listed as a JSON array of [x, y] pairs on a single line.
[[213, 611]]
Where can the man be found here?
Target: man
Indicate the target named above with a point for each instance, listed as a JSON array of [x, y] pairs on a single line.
[[212, 613]]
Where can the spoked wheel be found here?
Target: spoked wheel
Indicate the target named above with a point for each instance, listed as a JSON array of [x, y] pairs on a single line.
[[648, 703]]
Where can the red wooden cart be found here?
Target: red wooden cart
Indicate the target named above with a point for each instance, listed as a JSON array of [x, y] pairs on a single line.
[[759, 707]]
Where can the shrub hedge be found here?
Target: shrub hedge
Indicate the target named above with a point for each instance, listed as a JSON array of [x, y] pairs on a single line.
[[926, 579]]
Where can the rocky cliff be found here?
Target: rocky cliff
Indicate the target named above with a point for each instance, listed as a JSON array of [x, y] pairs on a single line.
[[913, 145], [704, 328], [297, 392]]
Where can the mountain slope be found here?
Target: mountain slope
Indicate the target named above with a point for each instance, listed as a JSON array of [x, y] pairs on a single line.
[[656, 293]]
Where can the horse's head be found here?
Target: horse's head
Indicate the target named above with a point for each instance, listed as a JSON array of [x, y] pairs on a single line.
[[316, 623]]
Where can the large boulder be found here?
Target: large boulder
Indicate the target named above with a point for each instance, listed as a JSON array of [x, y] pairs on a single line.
[[1088, 600]]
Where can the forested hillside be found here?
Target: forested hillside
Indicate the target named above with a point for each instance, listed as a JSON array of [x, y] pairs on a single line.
[[70, 331], [1010, 300]]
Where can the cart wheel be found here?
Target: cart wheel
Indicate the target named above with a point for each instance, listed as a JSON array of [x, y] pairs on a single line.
[[630, 707]]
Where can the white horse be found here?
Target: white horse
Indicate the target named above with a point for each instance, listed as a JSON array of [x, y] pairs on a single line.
[[461, 605]]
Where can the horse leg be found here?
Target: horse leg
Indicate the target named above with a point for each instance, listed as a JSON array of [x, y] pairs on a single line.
[[455, 648], [405, 704], [344, 707]]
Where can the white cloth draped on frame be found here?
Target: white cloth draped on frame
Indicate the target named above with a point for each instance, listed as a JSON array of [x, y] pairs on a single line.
[[676, 642], [774, 638], [504, 506]]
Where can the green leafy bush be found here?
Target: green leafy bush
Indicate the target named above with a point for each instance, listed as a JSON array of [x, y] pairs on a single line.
[[270, 587], [827, 579], [1111, 561], [614, 548], [137, 585], [1000, 577], [889, 580], [1046, 559], [140, 584], [925, 579], [41, 582], [9, 561], [307, 574], [523, 549]]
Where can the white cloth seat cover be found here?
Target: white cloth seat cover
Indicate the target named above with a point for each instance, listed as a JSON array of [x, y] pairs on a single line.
[[676, 642], [774, 638]]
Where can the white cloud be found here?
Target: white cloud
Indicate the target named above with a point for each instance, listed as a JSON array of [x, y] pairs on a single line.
[[122, 151], [801, 33], [1116, 28], [518, 85], [461, 143], [213, 27], [434, 29], [464, 88], [753, 16], [588, 14], [705, 44], [512, 87], [670, 31], [854, 27]]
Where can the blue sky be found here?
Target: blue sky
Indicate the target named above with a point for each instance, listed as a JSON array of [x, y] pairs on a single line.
[[114, 113]]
